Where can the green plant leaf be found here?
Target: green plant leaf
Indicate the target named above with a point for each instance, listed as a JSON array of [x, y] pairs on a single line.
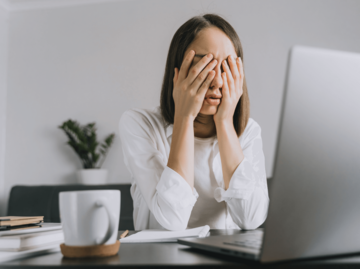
[[83, 140]]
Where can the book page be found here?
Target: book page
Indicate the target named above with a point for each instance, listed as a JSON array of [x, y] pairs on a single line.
[[165, 235]]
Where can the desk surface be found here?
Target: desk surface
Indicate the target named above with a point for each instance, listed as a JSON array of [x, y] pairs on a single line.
[[172, 254]]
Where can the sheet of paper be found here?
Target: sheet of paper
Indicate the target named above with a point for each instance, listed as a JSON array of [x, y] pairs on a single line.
[[8, 256], [47, 226], [146, 236]]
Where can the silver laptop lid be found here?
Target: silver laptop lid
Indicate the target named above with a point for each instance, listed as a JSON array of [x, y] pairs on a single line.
[[315, 194]]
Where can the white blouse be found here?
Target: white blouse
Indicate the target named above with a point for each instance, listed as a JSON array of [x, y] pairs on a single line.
[[163, 199]]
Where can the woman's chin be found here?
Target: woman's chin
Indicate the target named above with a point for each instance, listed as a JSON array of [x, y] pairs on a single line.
[[208, 110]]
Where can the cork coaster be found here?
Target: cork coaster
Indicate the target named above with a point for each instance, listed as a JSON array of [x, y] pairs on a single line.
[[90, 251]]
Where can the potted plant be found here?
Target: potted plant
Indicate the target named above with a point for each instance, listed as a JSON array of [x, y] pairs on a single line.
[[83, 140]]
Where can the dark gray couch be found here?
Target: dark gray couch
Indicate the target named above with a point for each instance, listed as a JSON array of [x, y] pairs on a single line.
[[44, 201]]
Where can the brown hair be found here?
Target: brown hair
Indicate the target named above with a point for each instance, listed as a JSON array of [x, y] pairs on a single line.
[[183, 37]]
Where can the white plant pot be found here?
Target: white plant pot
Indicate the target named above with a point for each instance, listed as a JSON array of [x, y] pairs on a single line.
[[92, 176]]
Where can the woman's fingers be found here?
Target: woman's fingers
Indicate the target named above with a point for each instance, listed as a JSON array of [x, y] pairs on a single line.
[[225, 88], [229, 77], [206, 84], [184, 69], [240, 67], [241, 79], [195, 71], [203, 75], [235, 71]]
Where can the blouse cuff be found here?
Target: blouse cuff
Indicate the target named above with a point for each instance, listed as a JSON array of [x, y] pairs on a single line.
[[174, 190], [242, 184]]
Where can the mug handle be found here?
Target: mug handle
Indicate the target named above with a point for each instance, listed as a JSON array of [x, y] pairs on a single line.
[[110, 230]]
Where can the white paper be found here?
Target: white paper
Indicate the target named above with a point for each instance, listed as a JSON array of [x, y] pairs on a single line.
[[146, 236], [8, 256], [44, 227]]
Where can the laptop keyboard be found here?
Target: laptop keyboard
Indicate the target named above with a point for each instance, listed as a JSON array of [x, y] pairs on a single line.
[[248, 240]]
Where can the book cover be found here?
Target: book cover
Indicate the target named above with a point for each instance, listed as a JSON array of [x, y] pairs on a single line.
[[16, 220]]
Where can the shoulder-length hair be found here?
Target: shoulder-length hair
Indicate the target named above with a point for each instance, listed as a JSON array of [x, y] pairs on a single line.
[[183, 37]]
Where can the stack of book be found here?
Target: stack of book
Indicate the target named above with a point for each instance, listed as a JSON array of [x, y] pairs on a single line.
[[22, 237], [11, 222]]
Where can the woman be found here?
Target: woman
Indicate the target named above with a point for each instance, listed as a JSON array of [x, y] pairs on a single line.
[[197, 159]]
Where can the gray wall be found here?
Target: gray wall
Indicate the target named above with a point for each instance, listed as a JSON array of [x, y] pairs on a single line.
[[91, 62], [3, 90]]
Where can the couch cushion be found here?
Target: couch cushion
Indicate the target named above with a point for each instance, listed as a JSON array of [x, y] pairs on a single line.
[[44, 201]]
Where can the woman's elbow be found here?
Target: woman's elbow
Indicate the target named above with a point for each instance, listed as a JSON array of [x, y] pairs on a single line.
[[252, 218], [174, 225], [170, 218], [251, 224], [172, 222]]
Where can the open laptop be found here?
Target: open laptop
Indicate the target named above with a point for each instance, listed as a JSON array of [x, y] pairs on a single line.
[[315, 193]]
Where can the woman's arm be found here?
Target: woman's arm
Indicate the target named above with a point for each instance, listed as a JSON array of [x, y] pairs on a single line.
[[181, 157], [190, 87], [230, 150], [229, 145], [166, 194], [247, 195], [244, 178]]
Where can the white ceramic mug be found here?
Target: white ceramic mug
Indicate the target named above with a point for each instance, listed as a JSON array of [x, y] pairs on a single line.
[[90, 217]]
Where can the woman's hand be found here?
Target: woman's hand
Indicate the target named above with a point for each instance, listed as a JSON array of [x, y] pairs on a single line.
[[232, 89], [231, 153], [190, 86]]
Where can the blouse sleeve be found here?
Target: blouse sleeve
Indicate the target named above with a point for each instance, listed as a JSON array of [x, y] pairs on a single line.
[[247, 196], [167, 194]]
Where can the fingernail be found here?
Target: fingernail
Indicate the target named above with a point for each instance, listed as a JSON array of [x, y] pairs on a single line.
[[210, 55], [225, 62], [238, 59]]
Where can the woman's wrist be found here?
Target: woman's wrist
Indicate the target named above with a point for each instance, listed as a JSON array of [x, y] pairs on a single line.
[[226, 124], [230, 149], [183, 120], [181, 156]]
